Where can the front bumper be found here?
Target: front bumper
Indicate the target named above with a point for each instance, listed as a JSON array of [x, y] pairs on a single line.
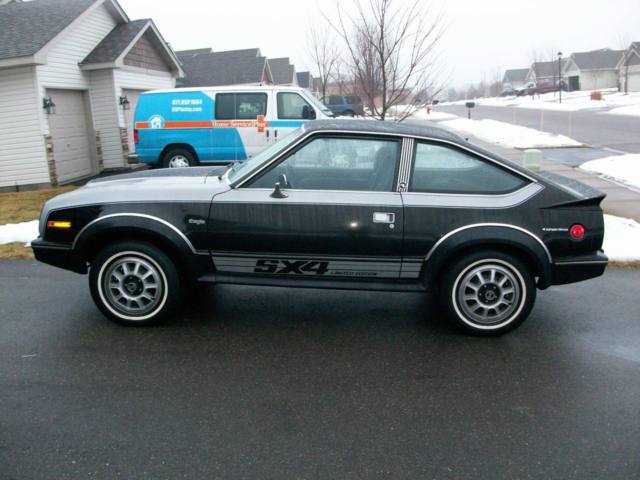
[[59, 255], [575, 269]]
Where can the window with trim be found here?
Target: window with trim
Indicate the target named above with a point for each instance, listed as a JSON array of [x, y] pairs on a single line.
[[240, 106], [291, 105], [337, 163], [440, 169]]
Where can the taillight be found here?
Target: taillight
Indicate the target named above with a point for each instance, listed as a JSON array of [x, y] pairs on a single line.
[[135, 136], [577, 231]]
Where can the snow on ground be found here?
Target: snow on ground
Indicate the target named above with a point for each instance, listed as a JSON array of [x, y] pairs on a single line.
[[19, 232], [622, 168], [621, 239], [509, 135], [571, 101], [433, 116], [633, 110]]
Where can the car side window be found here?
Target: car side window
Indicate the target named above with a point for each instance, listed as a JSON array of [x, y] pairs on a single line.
[[240, 106], [290, 106], [440, 169], [337, 163]]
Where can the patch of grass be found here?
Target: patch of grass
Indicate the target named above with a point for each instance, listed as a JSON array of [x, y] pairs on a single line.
[[25, 206], [617, 264], [15, 251]]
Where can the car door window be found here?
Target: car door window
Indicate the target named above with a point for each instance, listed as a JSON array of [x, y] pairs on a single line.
[[240, 106], [337, 163], [291, 105], [440, 169]]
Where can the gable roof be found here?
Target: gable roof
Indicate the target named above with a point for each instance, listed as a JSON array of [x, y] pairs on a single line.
[[27, 27], [282, 71], [597, 59], [222, 68], [304, 79], [515, 75], [548, 69]]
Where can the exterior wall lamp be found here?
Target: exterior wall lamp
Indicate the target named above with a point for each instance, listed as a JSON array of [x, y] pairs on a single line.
[[48, 106], [124, 103]]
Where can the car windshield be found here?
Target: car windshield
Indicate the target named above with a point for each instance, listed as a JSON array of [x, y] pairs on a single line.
[[241, 169]]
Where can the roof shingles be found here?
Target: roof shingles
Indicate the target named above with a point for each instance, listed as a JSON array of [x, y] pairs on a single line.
[[115, 43]]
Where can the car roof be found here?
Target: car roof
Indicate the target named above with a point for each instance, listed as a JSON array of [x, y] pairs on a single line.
[[376, 126]]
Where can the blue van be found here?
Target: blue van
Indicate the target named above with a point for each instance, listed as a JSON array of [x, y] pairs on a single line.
[[188, 126]]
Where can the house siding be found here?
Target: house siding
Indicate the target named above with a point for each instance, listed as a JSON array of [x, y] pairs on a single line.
[[22, 144], [131, 79], [104, 103], [62, 70]]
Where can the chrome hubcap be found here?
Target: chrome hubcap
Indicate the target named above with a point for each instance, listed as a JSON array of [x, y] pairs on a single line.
[[489, 294], [179, 161], [133, 285]]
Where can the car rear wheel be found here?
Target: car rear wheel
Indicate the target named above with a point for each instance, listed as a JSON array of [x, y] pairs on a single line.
[[488, 292], [179, 158], [134, 283]]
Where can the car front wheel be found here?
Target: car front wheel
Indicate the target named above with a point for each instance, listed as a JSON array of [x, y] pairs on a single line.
[[488, 292], [134, 283]]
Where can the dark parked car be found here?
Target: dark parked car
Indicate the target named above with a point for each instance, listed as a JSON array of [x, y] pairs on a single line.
[[344, 105], [417, 209]]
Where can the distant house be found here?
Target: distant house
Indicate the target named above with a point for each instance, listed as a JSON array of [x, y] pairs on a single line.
[[70, 75], [545, 73], [205, 68], [515, 79], [283, 72], [593, 70], [304, 80], [629, 69]]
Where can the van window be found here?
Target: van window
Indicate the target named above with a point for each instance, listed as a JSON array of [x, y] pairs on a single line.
[[335, 100], [290, 105], [240, 106]]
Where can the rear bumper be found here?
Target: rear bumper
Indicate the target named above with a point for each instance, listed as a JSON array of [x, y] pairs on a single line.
[[58, 255], [575, 269]]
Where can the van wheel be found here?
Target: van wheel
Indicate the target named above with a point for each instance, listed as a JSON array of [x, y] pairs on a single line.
[[179, 158], [134, 283], [488, 293]]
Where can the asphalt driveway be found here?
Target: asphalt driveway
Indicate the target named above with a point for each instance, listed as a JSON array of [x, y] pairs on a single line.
[[282, 383]]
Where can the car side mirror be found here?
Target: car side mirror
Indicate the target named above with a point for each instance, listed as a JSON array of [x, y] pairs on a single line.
[[280, 184], [308, 113]]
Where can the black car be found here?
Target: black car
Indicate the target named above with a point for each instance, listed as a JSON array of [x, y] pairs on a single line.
[[359, 205]]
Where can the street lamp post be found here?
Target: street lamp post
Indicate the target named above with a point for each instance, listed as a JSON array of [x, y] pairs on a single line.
[[560, 75]]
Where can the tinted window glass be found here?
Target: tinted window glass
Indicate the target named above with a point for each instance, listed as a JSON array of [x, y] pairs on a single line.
[[290, 105], [352, 99], [335, 100], [337, 164], [439, 169], [240, 106]]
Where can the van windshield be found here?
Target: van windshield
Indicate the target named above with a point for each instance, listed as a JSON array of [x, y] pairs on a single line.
[[242, 169]]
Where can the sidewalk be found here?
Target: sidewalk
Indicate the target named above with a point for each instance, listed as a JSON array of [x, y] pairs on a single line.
[[620, 201]]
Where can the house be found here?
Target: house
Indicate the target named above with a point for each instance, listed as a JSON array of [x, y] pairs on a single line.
[[593, 70], [304, 80], [70, 74], [629, 69], [545, 73], [283, 72], [205, 68], [514, 79]]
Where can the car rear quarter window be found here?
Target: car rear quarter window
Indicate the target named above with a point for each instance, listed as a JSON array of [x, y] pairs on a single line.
[[442, 169], [240, 106]]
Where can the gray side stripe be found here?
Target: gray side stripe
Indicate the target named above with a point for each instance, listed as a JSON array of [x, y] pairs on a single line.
[[140, 215]]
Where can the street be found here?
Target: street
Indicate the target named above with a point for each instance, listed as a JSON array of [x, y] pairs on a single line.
[[283, 383], [617, 132]]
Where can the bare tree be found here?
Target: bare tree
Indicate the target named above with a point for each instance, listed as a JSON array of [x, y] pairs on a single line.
[[391, 52], [325, 57], [623, 42]]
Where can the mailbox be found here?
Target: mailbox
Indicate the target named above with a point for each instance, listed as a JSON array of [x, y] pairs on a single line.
[[470, 104]]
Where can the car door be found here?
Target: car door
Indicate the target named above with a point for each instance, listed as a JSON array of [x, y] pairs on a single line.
[[337, 213], [289, 113]]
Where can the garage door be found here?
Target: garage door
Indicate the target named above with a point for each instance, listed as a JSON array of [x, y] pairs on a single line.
[[70, 134], [634, 82], [133, 96]]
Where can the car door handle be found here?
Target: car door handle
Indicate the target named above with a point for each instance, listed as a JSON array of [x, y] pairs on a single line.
[[384, 217], [267, 132]]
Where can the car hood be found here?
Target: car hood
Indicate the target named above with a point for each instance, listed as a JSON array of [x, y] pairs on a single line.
[[197, 184]]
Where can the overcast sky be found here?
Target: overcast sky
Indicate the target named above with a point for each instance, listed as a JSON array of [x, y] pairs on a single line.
[[482, 36]]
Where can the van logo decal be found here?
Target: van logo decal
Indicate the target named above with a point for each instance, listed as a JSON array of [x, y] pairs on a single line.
[[156, 121]]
